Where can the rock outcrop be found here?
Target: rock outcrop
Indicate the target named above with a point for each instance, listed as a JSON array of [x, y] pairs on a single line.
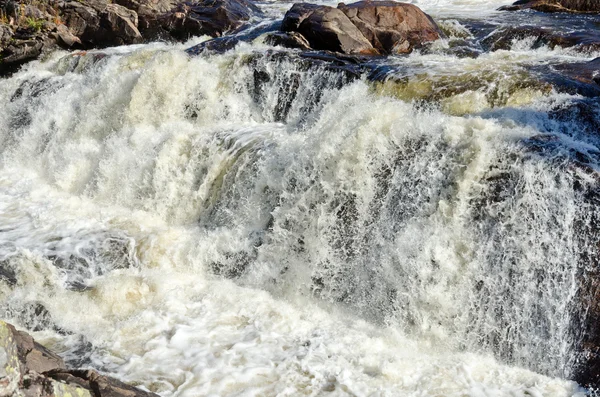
[[577, 6], [27, 31], [28, 369], [207, 17], [365, 27]]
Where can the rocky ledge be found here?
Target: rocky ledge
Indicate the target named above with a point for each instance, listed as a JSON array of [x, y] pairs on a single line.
[[30, 29], [28, 369], [573, 6]]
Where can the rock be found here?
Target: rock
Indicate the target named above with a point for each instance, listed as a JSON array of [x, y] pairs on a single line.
[[19, 51], [207, 17], [392, 28], [574, 6], [6, 34], [503, 38], [365, 27], [82, 20], [586, 72], [287, 39], [119, 26], [149, 12], [326, 28], [99, 385], [65, 38], [28, 369], [100, 24]]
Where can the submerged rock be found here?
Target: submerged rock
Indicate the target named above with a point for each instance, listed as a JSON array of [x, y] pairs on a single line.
[[505, 37], [577, 6], [29, 369], [365, 27]]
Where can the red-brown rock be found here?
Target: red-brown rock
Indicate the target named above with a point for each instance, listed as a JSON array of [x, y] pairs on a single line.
[[365, 27]]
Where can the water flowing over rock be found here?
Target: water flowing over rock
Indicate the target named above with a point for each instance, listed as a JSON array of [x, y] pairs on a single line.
[[362, 28], [583, 6], [207, 17], [29, 369]]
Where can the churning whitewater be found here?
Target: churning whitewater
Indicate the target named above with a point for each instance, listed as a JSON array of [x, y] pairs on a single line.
[[243, 225]]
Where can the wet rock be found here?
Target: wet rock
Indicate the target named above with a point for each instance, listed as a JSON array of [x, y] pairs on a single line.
[[574, 6], [222, 44], [287, 39], [365, 27], [587, 72], [29, 369], [98, 385], [207, 17], [574, 78], [504, 38]]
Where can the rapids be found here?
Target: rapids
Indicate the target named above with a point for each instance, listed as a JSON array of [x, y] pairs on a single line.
[[244, 224]]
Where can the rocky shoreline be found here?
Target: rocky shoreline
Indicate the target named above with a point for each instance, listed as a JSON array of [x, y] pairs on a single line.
[[28, 369], [30, 29]]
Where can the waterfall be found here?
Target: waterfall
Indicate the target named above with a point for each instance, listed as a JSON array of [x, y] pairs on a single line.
[[160, 212]]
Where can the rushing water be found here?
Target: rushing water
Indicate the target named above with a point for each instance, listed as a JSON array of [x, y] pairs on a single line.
[[252, 224]]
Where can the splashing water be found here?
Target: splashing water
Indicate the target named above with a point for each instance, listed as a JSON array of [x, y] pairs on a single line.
[[245, 224]]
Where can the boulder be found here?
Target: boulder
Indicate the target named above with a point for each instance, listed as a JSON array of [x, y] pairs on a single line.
[[150, 12], [99, 24], [207, 17], [365, 27], [574, 6], [29, 369], [326, 28], [392, 28], [118, 26], [65, 38]]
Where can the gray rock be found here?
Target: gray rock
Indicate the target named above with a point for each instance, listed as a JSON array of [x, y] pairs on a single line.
[[28, 369], [120, 25], [65, 38]]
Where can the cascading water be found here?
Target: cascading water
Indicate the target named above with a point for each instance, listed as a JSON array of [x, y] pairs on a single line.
[[254, 224]]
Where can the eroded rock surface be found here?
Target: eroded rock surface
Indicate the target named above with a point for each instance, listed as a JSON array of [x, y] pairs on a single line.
[[28, 369]]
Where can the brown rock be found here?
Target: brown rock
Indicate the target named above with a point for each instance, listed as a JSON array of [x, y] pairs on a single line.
[[391, 27], [287, 39], [120, 25], [326, 28], [207, 17], [574, 6], [30, 370], [100, 385], [364, 27]]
